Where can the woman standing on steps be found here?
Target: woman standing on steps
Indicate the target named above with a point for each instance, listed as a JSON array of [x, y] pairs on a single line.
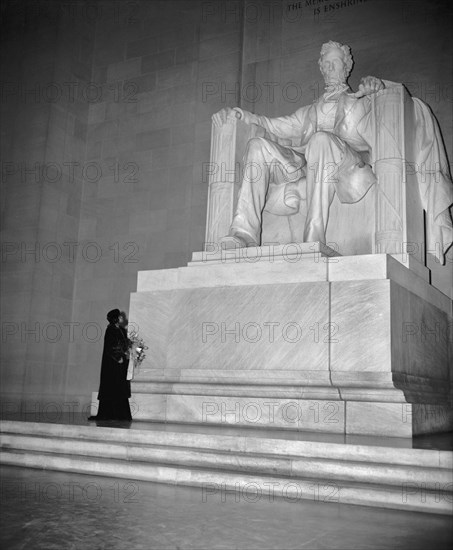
[[114, 389]]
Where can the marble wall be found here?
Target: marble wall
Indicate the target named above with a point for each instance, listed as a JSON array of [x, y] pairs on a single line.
[[153, 124], [46, 62], [149, 76]]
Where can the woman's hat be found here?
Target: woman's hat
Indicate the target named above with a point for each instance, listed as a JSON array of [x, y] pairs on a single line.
[[112, 316]]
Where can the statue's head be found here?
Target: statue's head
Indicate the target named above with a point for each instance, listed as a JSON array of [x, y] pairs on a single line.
[[335, 62]]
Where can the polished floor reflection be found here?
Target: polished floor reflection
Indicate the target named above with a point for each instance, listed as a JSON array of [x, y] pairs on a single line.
[[68, 511]]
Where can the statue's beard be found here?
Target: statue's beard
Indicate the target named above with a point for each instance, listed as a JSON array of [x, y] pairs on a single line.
[[334, 81]]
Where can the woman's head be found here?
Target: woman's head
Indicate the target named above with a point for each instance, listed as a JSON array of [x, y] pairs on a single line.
[[113, 316]]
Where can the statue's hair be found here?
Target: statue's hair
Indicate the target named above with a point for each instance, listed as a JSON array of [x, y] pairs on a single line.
[[347, 57]]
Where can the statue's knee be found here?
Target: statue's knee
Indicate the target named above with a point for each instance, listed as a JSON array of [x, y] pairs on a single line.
[[317, 142], [320, 138]]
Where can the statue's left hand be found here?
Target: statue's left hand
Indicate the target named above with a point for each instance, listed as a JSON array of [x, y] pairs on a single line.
[[222, 116], [369, 85]]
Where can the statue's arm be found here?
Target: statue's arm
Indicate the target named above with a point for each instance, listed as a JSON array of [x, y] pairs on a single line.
[[291, 127], [284, 127], [281, 127]]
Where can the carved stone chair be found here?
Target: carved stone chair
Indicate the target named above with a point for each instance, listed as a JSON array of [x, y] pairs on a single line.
[[389, 219]]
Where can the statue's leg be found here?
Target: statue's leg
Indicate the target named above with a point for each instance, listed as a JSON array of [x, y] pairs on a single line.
[[261, 159], [324, 154]]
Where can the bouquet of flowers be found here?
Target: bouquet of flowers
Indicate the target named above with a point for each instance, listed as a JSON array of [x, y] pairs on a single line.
[[137, 348]]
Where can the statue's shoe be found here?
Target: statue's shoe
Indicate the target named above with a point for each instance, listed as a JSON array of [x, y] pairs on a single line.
[[292, 200], [230, 242], [292, 196]]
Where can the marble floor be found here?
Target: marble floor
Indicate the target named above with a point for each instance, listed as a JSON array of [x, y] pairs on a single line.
[[66, 511]]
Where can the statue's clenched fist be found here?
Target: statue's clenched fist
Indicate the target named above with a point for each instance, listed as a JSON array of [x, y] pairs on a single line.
[[369, 85]]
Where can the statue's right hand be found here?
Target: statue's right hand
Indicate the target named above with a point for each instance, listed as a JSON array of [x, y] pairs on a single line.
[[220, 118]]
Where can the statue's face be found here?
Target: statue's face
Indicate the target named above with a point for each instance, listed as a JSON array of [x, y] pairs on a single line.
[[333, 67]]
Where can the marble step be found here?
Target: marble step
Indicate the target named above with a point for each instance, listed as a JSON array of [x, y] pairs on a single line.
[[272, 252], [236, 378], [383, 476], [215, 482], [148, 386], [290, 465], [392, 451]]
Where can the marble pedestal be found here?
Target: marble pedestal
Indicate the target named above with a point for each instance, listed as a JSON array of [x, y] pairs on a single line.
[[294, 337]]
